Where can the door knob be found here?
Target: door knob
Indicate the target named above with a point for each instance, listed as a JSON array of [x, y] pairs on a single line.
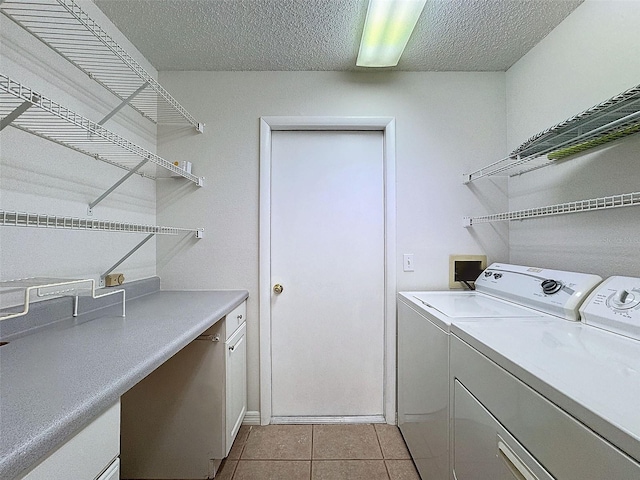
[[277, 289]]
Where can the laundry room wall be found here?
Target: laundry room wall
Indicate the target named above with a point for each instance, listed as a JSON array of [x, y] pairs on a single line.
[[39, 176], [447, 124], [590, 57]]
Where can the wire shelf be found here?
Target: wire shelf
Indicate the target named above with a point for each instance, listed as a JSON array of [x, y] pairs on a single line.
[[27, 110], [23, 219], [608, 121], [49, 287], [64, 27], [602, 203]]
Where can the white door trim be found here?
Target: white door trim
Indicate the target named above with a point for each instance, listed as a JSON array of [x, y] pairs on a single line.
[[387, 126]]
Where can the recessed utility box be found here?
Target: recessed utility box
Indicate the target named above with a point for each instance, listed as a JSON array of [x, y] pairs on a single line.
[[465, 268]]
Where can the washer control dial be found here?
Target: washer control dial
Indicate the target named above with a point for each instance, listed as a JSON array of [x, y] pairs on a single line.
[[550, 286]]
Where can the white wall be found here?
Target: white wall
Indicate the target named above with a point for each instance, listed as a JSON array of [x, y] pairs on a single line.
[[39, 176], [590, 57], [447, 123]]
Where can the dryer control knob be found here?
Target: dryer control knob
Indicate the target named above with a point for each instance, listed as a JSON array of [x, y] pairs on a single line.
[[624, 299]]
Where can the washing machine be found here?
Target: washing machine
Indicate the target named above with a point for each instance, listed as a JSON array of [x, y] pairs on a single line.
[[550, 399], [511, 292]]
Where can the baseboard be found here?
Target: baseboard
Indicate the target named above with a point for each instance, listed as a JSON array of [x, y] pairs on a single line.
[[328, 419], [251, 418]]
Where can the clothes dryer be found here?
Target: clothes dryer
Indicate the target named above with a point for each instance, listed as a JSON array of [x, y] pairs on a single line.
[[549, 398]]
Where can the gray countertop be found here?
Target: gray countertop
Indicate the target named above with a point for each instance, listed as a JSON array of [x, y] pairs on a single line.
[[55, 382]]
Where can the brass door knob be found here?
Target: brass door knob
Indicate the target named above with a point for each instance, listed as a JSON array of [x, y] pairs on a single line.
[[277, 289]]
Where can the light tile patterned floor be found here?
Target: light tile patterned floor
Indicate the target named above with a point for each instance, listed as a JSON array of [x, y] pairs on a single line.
[[319, 452]]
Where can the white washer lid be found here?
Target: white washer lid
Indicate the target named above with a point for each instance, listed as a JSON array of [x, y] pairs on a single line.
[[472, 305]]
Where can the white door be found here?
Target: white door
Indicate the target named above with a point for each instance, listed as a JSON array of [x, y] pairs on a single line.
[[327, 252]]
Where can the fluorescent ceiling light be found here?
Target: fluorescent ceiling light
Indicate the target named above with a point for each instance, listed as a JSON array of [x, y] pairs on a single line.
[[387, 29]]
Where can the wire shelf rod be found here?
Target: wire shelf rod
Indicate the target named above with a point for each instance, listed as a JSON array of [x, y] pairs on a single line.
[[38, 220], [124, 257], [602, 203], [63, 26], [116, 185]]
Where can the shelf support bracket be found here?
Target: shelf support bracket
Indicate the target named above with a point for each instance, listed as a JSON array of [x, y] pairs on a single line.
[[123, 103], [119, 262], [116, 185], [6, 121]]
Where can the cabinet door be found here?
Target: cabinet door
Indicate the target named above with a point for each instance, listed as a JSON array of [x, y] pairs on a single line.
[[86, 454], [235, 318], [236, 383]]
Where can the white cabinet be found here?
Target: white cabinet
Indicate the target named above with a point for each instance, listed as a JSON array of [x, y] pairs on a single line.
[[91, 454], [236, 384], [181, 420]]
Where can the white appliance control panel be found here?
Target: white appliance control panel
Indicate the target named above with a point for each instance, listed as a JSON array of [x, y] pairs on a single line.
[[615, 306], [555, 292]]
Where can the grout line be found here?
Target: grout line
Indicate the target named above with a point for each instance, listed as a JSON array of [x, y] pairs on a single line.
[[246, 441], [386, 467], [244, 445], [379, 442], [384, 460], [313, 431]]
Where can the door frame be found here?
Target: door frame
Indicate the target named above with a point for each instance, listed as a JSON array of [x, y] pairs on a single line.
[[291, 123]]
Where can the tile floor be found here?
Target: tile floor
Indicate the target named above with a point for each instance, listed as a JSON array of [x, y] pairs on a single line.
[[319, 452]]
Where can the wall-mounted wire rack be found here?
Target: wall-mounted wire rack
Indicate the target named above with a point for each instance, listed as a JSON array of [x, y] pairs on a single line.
[[613, 119], [54, 122], [67, 29], [29, 111], [602, 203], [38, 220], [49, 287]]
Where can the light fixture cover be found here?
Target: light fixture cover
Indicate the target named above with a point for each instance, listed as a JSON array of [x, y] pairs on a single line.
[[387, 29]]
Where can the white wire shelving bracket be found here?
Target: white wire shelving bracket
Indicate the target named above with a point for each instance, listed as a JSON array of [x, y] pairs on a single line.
[[602, 203], [616, 118], [63, 26], [29, 111], [48, 287], [23, 219]]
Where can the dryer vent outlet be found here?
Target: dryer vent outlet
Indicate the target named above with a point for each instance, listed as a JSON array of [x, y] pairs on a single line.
[[465, 268]]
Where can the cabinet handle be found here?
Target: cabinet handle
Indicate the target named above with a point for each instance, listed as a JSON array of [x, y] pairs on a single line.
[[239, 317], [237, 342], [518, 469]]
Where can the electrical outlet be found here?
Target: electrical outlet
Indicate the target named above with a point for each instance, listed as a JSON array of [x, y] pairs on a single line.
[[407, 262]]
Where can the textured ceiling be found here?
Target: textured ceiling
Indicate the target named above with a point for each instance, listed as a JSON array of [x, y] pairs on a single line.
[[226, 35]]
